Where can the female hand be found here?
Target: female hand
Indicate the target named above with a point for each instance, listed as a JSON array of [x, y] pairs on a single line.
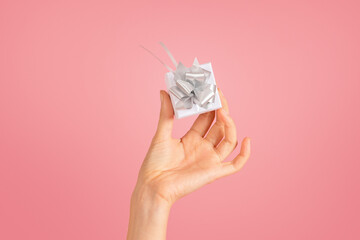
[[175, 167]]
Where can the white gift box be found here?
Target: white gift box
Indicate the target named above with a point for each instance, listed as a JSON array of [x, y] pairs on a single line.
[[196, 108], [192, 90]]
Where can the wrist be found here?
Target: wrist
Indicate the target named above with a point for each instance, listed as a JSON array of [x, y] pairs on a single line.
[[145, 196], [149, 214]]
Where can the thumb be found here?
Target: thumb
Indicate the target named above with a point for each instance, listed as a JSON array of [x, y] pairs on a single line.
[[166, 118]]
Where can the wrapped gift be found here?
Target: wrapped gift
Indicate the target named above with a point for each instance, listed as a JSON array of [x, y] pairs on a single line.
[[192, 90]]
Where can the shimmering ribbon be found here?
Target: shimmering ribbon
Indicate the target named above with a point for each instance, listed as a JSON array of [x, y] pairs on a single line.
[[192, 85]]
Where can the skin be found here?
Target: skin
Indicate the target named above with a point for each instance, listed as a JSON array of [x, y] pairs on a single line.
[[174, 168]]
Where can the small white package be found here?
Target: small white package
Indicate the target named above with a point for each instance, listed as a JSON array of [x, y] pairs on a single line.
[[192, 90]]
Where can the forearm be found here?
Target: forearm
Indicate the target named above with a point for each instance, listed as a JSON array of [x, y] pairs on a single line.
[[148, 216]]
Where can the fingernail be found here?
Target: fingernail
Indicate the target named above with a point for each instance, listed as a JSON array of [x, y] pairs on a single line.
[[225, 113], [248, 147], [161, 97]]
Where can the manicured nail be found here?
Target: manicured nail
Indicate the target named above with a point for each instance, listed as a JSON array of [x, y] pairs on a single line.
[[161, 97], [225, 114], [248, 146]]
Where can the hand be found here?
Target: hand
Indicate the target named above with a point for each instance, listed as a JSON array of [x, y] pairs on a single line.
[[175, 167]]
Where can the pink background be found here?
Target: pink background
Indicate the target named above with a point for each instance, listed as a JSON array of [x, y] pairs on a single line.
[[79, 102]]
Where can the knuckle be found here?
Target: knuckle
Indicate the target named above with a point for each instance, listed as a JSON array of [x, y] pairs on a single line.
[[231, 142], [219, 124]]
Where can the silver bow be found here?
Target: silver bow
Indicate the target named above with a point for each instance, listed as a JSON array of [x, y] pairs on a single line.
[[192, 86]]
